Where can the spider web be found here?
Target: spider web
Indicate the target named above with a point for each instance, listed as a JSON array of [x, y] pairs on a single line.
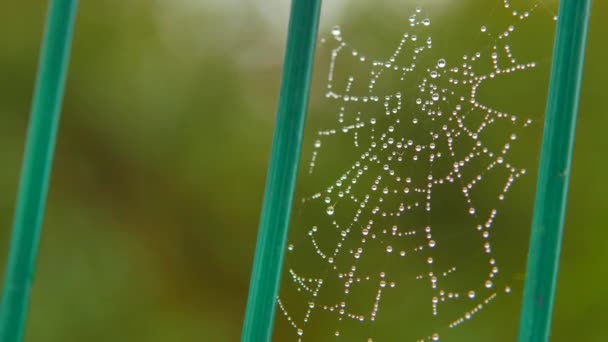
[[381, 221]]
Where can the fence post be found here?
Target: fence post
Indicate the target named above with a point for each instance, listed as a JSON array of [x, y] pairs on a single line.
[[554, 172], [37, 163], [282, 173]]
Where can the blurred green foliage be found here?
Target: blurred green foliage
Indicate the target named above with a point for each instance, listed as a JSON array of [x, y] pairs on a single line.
[[163, 150]]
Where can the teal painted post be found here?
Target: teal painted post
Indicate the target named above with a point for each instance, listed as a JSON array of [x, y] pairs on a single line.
[[34, 184], [284, 162], [554, 173]]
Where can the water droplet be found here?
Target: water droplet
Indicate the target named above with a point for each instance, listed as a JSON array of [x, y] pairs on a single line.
[[484, 29], [488, 284], [471, 294], [441, 63], [318, 143], [330, 210], [335, 31], [389, 249]]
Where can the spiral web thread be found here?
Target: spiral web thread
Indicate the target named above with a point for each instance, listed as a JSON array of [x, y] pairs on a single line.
[[389, 164]]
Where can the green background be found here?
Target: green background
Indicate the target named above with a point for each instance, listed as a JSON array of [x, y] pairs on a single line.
[[161, 160]]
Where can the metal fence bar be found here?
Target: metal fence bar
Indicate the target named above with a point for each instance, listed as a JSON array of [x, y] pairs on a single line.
[[34, 184], [282, 173], [554, 173]]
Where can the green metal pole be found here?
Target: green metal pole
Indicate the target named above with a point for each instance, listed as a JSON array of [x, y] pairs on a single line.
[[284, 161], [554, 173], [33, 188]]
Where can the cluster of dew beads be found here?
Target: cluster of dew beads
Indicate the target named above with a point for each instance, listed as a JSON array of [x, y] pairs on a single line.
[[388, 166]]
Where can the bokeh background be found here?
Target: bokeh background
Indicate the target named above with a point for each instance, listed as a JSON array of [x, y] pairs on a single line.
[[163, 149]]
